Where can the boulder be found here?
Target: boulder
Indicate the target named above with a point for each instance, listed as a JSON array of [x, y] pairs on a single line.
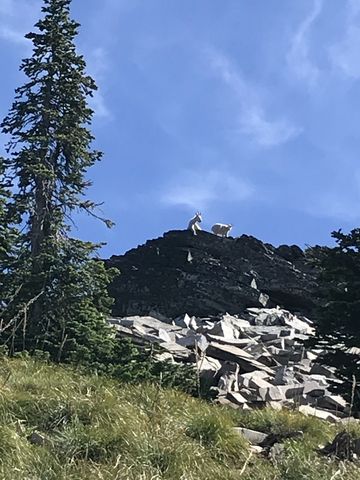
[[332, 402], [228, 377], [315, 412], [299, 326], [237, 342], [284, 376], [208, 368], [267, 359], [318, 369], [209, 364], [252, 436], [145, 322], [264, 299], [314, 389], [192, 340], [281, 393], [164, 335], [236, 322], [272, 394], [237, 398], [178, 352], [254, 380], [39, 439], [224, 329], [230, 353], [164, 357], [185, 321]]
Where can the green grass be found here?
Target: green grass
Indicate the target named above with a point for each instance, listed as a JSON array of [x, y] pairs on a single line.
[[95, 428]]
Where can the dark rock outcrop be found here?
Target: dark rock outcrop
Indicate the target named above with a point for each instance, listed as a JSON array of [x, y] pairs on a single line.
[[206, 274]]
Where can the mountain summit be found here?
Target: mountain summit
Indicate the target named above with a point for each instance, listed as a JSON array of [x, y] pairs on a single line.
[[205, 274]]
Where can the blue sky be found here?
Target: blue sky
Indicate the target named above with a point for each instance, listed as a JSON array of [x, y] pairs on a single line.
[[248, 110]]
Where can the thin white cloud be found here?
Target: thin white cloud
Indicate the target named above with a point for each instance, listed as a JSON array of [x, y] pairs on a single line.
[[19, 8], [344, 55], [268, 133], [17, 17], [98, 66], [252, 118], [329, 205], [17, 37], [298, 58], [97, 61], [98, 104], [342, 207], [198, 190]]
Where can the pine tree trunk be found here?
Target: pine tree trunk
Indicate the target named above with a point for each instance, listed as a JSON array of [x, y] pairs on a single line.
[[37, 225], [40, 226]]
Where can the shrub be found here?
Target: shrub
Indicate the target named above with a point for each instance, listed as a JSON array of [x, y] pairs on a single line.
[[135, 364]]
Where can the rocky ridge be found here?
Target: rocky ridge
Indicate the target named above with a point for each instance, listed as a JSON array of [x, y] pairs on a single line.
[[205, 275], [238, 332]]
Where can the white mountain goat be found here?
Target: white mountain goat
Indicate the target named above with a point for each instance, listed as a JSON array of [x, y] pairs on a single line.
[[221, 229], [194, 223]]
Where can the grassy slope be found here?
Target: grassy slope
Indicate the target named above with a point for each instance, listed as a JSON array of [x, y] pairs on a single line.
[[97, 429]]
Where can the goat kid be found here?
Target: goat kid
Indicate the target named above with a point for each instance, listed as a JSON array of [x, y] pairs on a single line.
[[194, 223], [221, 229]]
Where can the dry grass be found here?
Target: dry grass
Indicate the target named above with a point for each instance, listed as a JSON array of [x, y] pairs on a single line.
[[97, 429]]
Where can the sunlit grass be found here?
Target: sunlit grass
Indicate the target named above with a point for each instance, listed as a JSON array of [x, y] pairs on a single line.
[[94, 428]]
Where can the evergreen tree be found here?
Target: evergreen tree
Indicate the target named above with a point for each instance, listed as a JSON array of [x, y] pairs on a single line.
[[61, 287], [338, 319], [9, 254], [6, 236]]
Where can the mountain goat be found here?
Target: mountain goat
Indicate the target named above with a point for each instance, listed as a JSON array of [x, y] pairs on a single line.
[[194, 223], [221, 229]]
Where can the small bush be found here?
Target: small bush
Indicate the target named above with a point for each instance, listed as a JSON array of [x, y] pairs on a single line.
[[284, 421], [134, 364]]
